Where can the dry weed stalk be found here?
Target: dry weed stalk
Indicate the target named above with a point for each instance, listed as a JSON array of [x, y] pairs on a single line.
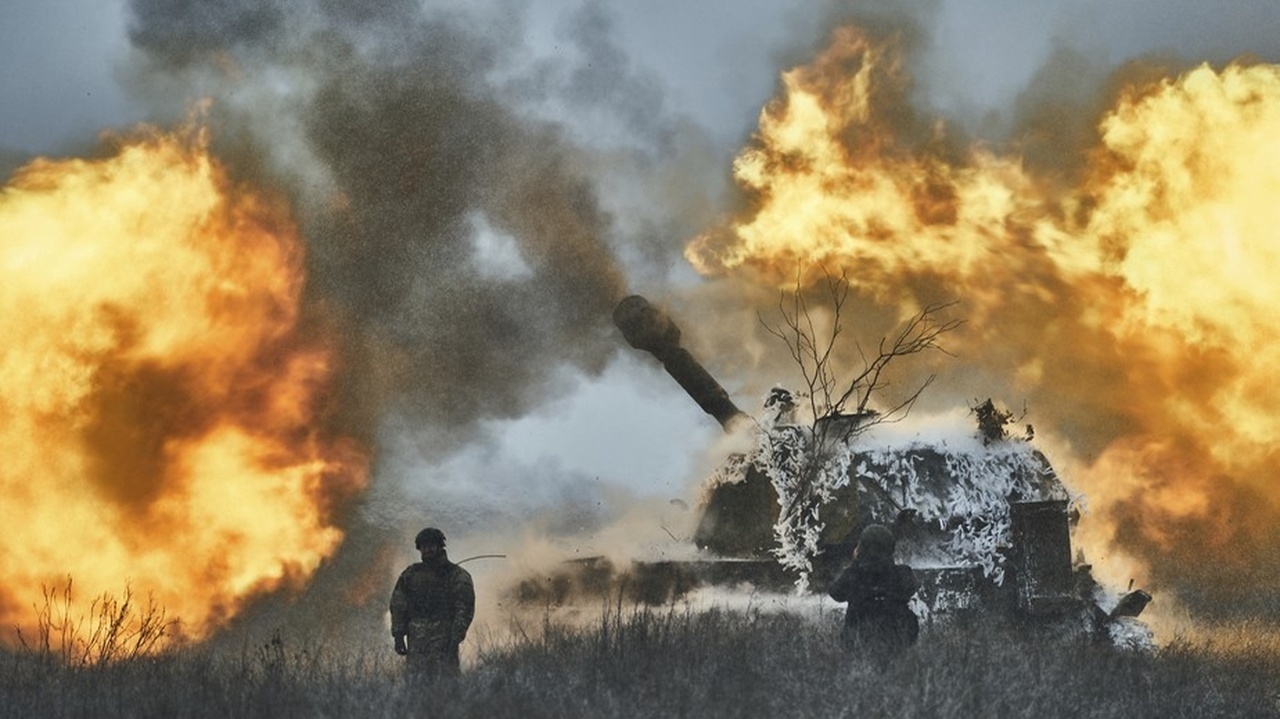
[[112, 630]]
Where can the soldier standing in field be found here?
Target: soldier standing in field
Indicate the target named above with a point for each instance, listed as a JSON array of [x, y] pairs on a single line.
[[878, 620], [432, 606]]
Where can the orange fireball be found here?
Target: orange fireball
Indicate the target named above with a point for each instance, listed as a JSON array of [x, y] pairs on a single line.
[[160, 409]]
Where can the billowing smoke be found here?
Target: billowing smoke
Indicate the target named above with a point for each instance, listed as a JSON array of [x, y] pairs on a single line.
[[455, 239], [424, 260], [465, 253]]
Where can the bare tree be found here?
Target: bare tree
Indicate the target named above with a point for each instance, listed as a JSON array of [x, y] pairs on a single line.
[[828, 393], [808, 461]]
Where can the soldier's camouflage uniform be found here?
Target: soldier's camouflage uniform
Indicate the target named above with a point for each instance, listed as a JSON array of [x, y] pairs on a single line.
[[432, 605]]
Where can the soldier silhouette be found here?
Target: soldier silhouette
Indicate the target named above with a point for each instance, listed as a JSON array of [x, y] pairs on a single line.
[[432, 606], [878, 620]]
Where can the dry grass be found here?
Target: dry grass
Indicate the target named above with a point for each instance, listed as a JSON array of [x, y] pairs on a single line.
[[111, 630], [645, 663]]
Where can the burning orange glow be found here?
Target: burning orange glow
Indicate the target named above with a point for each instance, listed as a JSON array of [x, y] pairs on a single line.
[[1187, 213], [158, 405], [830, 189], [1133, 301]]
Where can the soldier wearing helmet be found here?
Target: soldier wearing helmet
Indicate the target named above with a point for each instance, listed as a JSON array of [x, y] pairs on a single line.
[[432, 606], [879, 619]]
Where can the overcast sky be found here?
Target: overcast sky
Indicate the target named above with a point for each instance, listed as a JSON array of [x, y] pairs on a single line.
[[716, 59], [710, 64]]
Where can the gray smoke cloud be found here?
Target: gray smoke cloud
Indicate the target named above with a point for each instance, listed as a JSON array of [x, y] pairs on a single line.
[[455, 239], [418, 164]]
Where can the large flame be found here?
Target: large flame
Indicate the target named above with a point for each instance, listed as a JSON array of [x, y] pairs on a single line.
[[159, 408], [1134, 299]]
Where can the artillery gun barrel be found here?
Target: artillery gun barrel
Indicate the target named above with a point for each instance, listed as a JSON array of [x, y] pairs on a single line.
[[648, 328]]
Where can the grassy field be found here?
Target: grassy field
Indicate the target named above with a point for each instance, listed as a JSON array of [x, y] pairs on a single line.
[[670, 663]]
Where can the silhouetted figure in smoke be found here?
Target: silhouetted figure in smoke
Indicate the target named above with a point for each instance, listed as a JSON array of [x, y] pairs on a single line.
[[878, 622], [432, 606]]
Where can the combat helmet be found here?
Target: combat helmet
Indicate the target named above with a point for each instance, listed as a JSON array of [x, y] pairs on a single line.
[[877, 543], [430, 535]]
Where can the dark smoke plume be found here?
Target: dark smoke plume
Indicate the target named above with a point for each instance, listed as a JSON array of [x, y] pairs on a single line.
[[419, 157], [454, 241]]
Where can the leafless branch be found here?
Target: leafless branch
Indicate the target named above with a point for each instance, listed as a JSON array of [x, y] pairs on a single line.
[[841, 409], [812, 352]]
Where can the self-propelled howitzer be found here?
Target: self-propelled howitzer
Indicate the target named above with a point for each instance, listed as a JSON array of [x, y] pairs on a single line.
[[986, 525]]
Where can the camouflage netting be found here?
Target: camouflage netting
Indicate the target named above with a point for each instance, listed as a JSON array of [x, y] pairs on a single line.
[[964, 492], [955, 493]]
